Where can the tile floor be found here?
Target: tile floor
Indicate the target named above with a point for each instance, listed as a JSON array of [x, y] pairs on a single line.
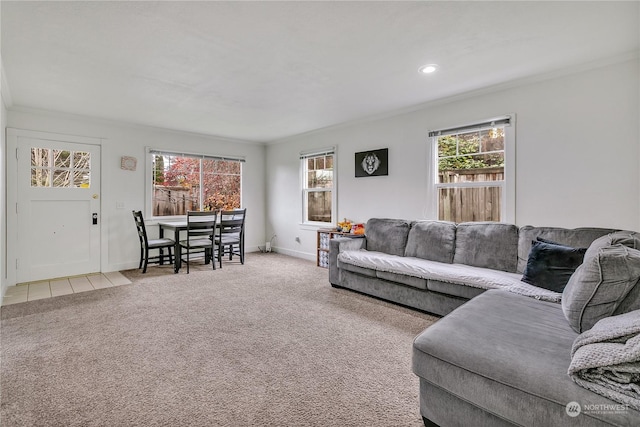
[[56, 287]]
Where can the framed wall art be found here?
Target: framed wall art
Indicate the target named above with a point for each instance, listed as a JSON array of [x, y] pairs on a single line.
[[128, 163], [372, 163]]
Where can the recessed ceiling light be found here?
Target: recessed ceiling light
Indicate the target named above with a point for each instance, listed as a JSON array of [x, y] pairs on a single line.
[[428, 69]]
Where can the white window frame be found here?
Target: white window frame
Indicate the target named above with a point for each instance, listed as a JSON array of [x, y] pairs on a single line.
[[304, 156], [508, 185], [150, 152]]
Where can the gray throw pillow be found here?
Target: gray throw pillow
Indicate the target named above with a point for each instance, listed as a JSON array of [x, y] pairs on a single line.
[[387, 235], [488, 245], [599, 287], [432, 240]]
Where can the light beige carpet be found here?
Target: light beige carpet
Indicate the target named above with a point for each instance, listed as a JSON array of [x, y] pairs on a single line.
[[268, 343]]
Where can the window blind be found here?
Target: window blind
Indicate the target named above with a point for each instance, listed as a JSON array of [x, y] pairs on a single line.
[[488, 124], [195, 156], [315, 153]]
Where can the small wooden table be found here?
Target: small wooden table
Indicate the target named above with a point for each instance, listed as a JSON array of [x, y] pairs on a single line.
[[322, 246]]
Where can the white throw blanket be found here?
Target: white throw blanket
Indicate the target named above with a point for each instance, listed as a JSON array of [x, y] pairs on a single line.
[[606, 359], [477, 277]]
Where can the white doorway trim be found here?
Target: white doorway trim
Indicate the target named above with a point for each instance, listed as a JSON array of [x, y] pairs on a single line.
[[13, 136]]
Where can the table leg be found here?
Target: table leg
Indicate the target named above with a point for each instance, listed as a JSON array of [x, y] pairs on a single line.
[[161, 235], [176, 250]]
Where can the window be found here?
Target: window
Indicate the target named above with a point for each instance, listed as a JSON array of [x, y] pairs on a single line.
[[472, 172], [317, 187], [60, 168], [192, 182]]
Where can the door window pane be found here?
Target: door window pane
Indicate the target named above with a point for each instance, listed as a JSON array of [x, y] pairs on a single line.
[[40, 157], [81, 179], [40, 177], [55, 168], [61, 158], [81, 160], [61, 178]]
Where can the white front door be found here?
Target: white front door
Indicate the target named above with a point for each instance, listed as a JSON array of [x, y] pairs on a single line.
[[58, 208]]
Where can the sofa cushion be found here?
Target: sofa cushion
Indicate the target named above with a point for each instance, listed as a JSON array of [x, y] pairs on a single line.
[[487, 245], [576, 238], [550, 265], [414, 282], [455, 289], [600, 285], [457, 274], [509, 355], [387, 235], [357, 269], [432, 240]]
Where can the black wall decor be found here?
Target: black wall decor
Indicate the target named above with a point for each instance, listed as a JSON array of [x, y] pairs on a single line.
[[372, 163]]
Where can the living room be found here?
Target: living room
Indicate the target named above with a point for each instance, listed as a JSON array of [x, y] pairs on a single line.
[[575, 121]]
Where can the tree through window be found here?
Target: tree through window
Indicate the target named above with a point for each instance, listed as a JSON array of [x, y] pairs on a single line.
[[183, 182]]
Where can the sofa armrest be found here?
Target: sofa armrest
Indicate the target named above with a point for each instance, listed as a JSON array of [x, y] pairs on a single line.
[[341, 244]]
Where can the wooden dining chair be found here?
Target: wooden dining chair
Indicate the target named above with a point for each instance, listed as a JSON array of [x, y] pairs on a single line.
[[230, 238], [147, 244], [200, 240]]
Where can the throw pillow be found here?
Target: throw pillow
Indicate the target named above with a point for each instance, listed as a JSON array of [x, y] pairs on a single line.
[[487, 245], [432, 240], [387, 235], [550, 265], [600, 286]]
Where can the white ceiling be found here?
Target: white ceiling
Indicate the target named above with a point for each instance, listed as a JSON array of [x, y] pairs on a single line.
[[260, 71]]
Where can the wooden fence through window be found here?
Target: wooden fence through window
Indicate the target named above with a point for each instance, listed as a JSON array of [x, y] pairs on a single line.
[[470, 203], [174, 200]]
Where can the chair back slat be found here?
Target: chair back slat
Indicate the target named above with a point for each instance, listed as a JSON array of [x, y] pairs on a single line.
[[156, 244], [230, 238], [201, 223], [142, 231], [232, 221]]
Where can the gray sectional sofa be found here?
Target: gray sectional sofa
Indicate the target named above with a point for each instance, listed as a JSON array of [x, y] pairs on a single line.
[[437, 266], [507, 352]]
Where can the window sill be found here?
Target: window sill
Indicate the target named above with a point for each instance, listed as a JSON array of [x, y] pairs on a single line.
[[315, 226]]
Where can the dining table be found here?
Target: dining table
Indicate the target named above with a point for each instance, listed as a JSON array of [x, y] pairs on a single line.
[[177, 225]]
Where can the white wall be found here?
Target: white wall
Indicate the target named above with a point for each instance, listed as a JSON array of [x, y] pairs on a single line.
[[122, 247], [3, 193], [577, 157]]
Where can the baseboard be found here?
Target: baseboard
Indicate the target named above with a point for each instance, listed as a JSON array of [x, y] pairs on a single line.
[[130, 265], [296, 254]]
